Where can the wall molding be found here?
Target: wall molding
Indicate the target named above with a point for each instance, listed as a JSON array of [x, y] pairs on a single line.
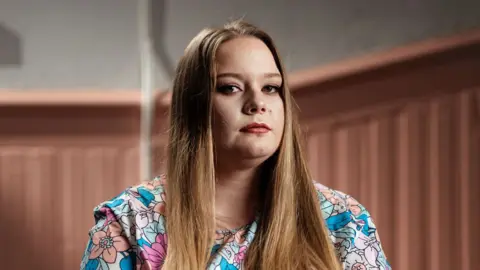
[[69, 97], [363, 64]]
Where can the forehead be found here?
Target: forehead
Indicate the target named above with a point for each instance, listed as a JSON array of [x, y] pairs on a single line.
[[245, 55]]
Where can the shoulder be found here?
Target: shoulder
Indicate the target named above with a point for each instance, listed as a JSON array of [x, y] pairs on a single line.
[[148, 197], [351, 229], [134, 222], [134, 208], [334, 202]]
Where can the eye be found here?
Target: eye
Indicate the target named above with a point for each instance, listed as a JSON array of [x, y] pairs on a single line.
[[228, 89], [271, 89]]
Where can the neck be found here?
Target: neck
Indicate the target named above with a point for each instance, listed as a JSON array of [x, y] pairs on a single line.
[[236, 195]]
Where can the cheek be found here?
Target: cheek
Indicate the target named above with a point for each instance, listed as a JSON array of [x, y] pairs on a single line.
[[278, 115], [224, 119]]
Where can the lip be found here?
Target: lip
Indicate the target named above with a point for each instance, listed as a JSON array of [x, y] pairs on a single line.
[[256, 128]]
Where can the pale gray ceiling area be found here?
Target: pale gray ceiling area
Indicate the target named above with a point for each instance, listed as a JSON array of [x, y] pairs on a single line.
[[71, 44]]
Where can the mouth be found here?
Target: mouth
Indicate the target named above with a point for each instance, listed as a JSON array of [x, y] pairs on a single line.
[[257, 128]]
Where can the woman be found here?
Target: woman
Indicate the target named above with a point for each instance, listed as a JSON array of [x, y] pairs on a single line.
[[237, 193]]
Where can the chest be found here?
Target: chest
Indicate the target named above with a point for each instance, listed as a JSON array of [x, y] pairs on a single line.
[[229, 250]]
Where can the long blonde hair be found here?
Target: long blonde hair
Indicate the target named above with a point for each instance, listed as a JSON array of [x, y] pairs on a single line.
[[291, 233]]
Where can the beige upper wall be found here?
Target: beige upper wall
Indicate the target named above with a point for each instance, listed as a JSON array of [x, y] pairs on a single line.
[[71, 44]]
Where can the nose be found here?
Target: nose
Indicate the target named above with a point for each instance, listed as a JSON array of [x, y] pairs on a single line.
[[254, 106]]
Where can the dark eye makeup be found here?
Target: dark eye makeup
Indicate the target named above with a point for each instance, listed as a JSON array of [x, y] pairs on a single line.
[[228, 88], [232, 88]]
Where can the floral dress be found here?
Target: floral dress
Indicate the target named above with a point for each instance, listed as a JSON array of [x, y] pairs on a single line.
[[129, 233]]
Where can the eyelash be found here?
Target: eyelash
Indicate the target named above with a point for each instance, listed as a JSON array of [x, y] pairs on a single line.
[[226, 89], [275, 88]]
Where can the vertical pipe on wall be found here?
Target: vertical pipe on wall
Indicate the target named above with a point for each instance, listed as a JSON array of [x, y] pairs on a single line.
[[147, 80]]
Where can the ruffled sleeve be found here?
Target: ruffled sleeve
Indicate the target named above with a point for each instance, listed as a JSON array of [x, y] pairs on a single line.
[[108, 246], [129, 230]]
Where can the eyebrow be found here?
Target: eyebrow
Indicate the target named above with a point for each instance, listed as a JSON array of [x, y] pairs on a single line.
[[239, 76]]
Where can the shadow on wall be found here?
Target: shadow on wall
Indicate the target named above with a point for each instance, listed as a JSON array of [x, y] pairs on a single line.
[[158, 26], [10, 47]]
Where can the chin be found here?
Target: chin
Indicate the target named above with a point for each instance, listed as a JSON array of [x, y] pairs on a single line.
[[252, 161], [247, 155], [253, 151]]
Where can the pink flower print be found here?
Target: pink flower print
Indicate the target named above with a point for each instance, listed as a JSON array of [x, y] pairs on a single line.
[[240, 256], [143, 264], [109, 243], [110, 216], [151, 185], [142, 219], [160, 207], [219, 236], [330, 197], [367, 244], [156, 254], [354, 206], [359, 266], [157, 181], [238, 237], [163, 179]]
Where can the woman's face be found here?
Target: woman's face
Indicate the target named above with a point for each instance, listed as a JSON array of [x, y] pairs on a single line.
[[248, 109]]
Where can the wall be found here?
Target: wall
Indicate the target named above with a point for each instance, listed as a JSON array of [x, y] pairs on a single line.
[[56, 164], [91, 44], [68, 44], [404, 139], [414, 165], [59, 158]]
